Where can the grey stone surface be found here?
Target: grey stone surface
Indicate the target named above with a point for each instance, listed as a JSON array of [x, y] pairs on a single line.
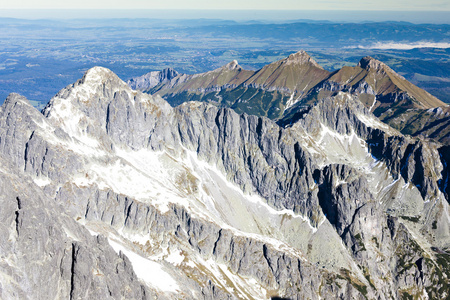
[[152, 79], [47, 255], [389, 251]]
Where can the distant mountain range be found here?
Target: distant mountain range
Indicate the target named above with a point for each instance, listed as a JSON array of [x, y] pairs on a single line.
[[36, 63], [278, 89]]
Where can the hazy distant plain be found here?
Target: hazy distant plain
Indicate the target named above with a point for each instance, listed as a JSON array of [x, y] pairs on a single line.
[[39, 57]]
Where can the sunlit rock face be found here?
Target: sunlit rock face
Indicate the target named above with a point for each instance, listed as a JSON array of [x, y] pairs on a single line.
[[112, 193], [283, 87]]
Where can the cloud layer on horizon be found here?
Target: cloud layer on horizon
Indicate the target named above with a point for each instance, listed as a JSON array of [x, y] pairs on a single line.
[[404, 46]]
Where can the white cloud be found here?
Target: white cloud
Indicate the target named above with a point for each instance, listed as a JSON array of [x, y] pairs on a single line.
[[404, 46]]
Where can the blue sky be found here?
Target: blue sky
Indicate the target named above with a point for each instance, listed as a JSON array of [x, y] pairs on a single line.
[[396, 5]]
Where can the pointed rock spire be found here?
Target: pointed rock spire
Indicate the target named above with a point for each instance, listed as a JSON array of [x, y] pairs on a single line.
[[232, 65], [97, 75], [14, 98], [369, 62], [301, 57]]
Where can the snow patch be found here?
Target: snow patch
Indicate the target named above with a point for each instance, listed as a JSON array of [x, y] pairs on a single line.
[[245, 288], [175, 258], [373, 104], [373, 122], [42, 181], [291, 101], [70, 234], [141, 239], [149, 271]]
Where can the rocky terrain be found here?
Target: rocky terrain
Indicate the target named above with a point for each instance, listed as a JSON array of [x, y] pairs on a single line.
[[111, 193], [282, 86]]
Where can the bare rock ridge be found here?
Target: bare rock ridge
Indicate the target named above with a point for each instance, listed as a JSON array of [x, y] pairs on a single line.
[[232, 65], [112, 193], [371, 63], [301, 57], [298, 80], [291, 75], [152, 79]]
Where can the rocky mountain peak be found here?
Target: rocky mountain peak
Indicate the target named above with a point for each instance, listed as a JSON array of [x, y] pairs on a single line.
[[369, 62], [88, 96], [18, 105], [20, 112], [97, 75], [301, 57], [233, 65], [95, 79], [14, 98], [169, 73], [151, 79]]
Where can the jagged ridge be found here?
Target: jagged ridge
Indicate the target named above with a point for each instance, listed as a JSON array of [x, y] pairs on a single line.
[[332, 174], [297, 80]]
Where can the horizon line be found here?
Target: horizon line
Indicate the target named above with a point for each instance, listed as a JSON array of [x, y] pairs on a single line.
[[240, 15], [229, 9]]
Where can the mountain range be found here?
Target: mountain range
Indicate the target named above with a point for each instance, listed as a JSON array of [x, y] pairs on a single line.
[[278, 89], [111, 193]]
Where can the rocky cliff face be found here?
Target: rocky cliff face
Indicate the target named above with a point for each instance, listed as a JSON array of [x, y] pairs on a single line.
[[47, 254], [145, 200], [152, 79]]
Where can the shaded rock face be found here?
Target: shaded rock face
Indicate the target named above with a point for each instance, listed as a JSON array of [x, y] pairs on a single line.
[[340, 202], [444, 153], [328, 203], [152, 79]]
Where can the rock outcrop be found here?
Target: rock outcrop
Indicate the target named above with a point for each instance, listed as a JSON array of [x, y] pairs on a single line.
[[152, 79]]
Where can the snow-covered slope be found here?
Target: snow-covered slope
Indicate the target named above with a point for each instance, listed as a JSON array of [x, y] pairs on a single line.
[[206, 203]]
